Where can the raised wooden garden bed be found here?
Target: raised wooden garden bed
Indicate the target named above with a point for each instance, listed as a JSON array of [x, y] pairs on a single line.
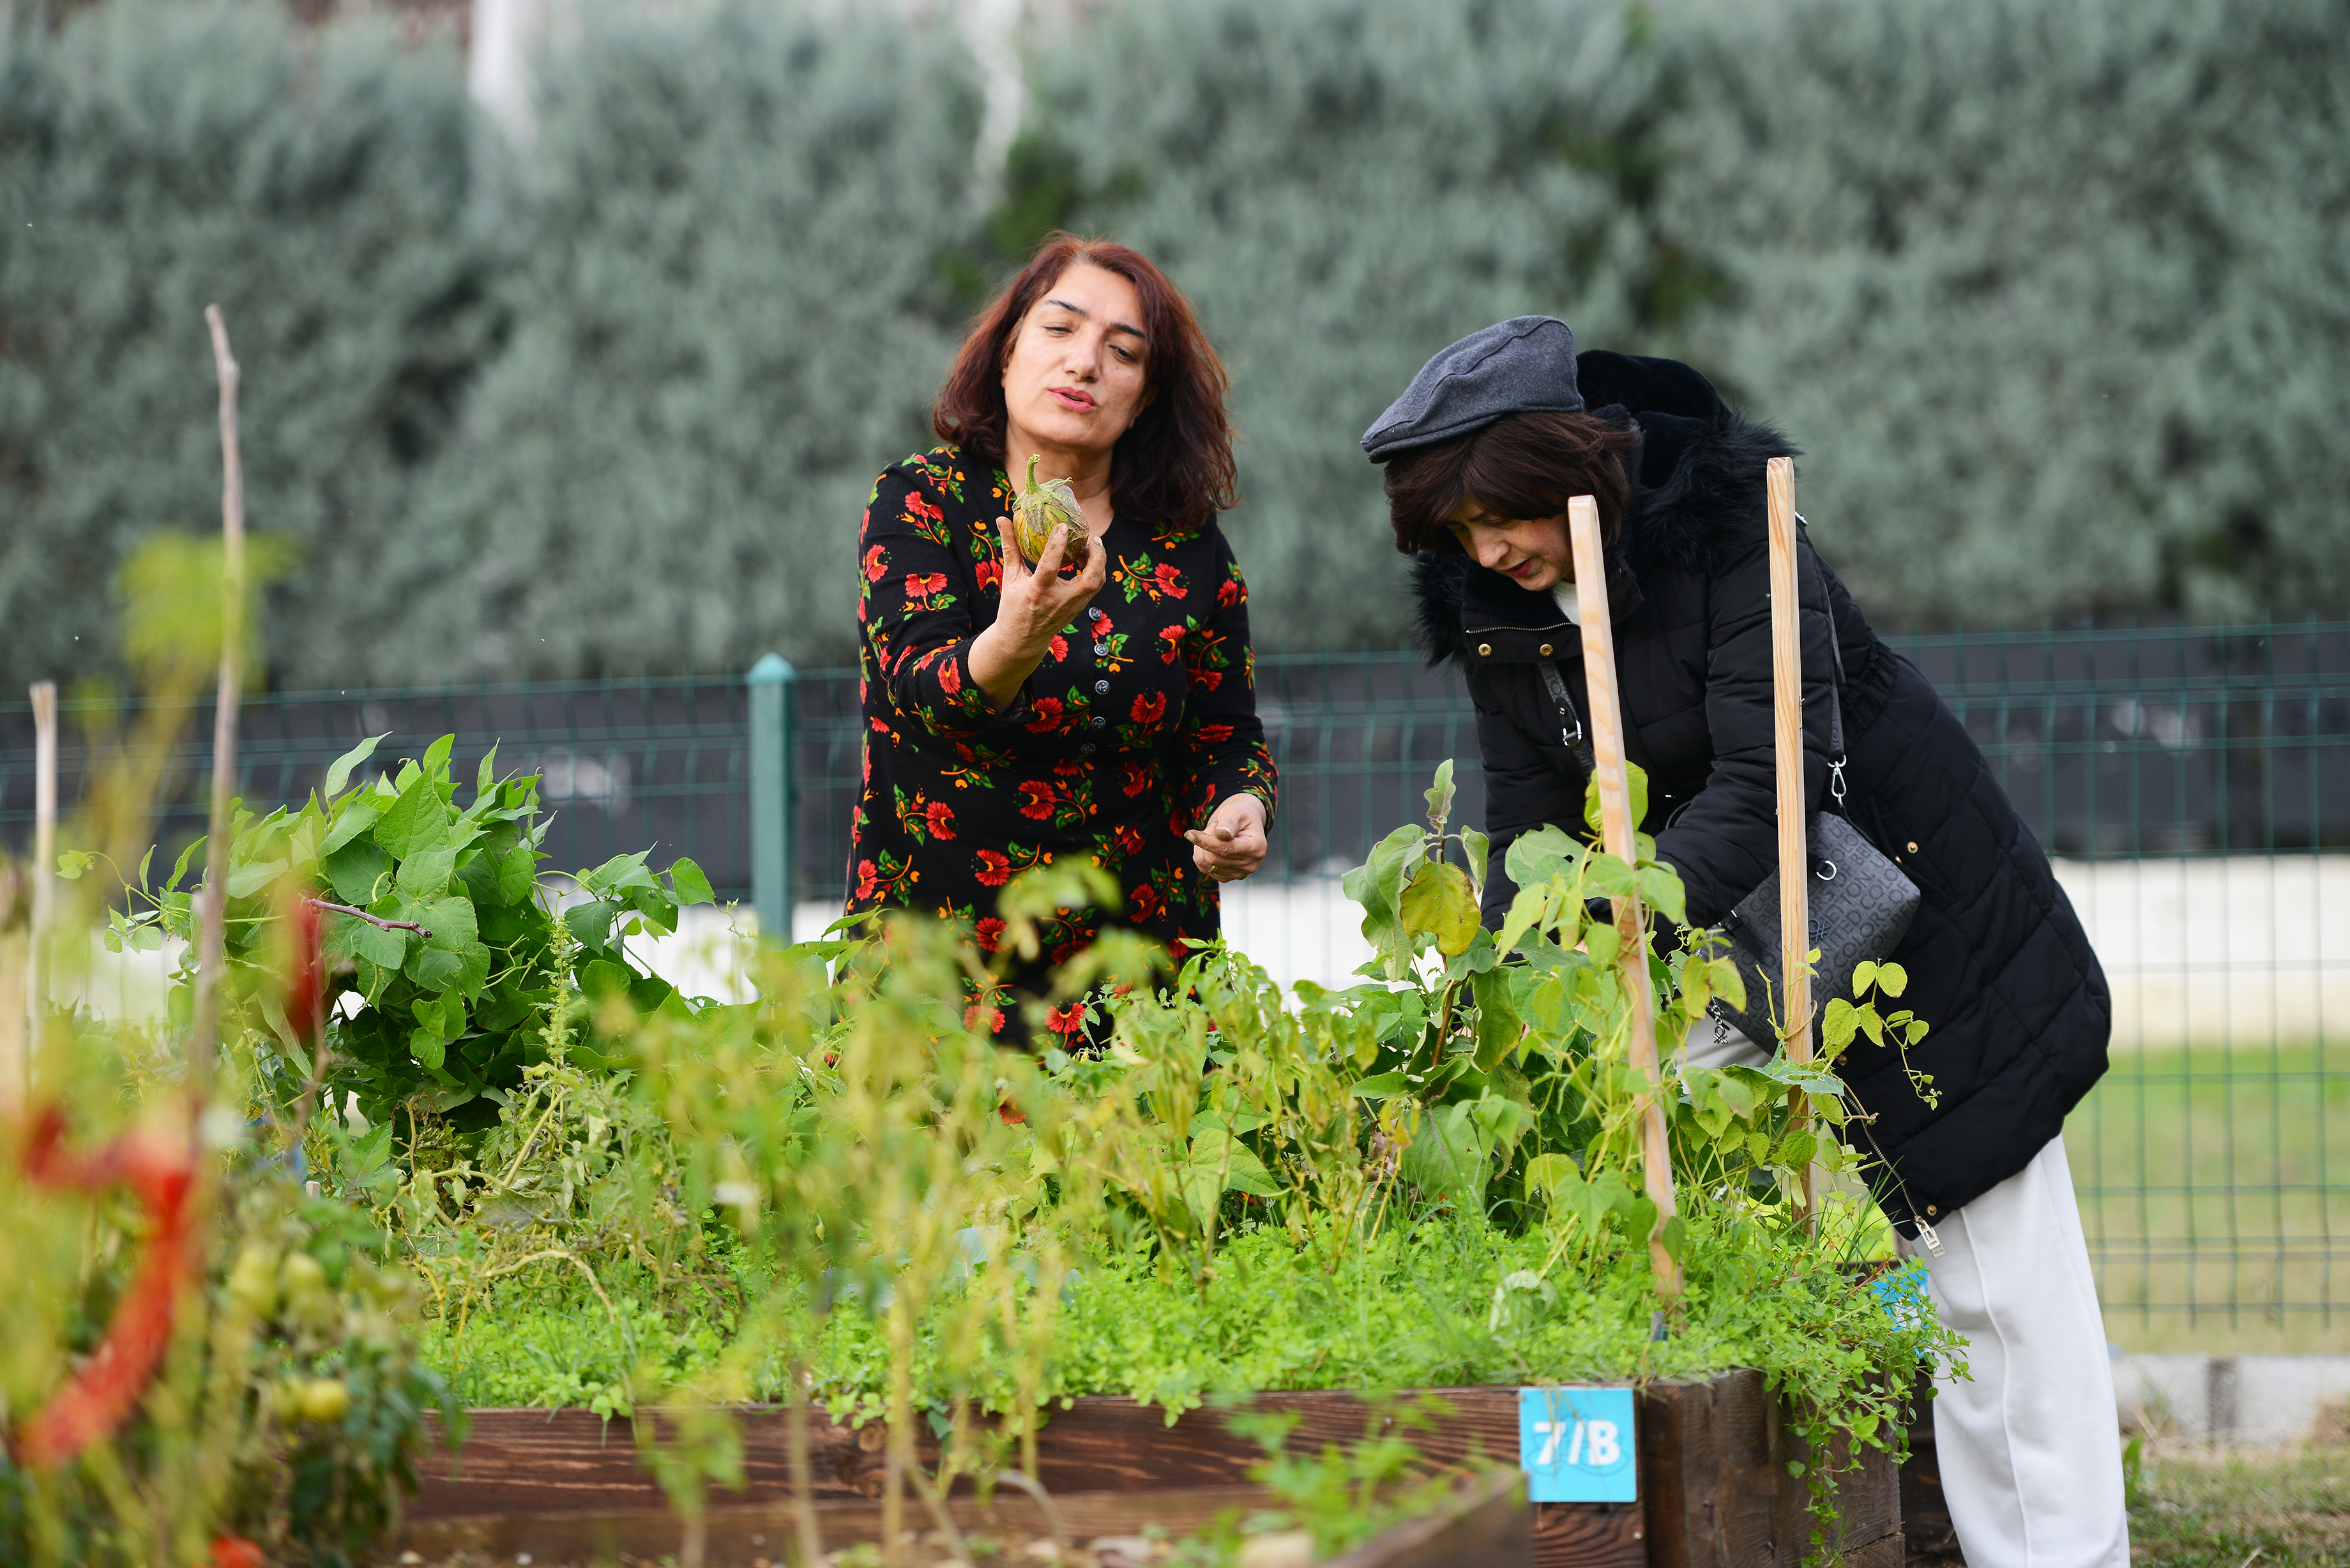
[[1712, 1458]]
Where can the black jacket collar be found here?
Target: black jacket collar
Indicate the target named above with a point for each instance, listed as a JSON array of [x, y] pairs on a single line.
[[1699, 488]]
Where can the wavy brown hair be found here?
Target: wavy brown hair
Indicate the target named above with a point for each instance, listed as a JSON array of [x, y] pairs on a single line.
[[1520, 465], [1174, 463]]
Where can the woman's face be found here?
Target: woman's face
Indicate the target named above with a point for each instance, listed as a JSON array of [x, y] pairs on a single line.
[[1533, 553], [1079, 370]]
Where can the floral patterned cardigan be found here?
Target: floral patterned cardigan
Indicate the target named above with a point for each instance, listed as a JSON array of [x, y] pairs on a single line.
[[1138, 723]]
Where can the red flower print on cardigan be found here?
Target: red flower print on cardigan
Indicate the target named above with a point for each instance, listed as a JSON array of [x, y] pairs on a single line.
[[1149, 709], [877, 564], [1037, 799]]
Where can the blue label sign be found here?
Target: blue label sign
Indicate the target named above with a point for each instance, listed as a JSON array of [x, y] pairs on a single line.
[[1575, 1445]]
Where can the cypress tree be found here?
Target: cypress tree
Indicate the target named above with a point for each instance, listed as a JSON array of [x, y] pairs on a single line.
[[2054, 292], [158, 158], [722, 260]]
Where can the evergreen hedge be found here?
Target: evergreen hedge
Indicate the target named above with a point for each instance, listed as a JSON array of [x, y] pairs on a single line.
[[2054, 289]]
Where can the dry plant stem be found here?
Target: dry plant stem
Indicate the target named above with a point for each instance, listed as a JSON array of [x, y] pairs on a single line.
[[1052, 1522], [1617, 831], [375, 921], [1787, 726], [936, 1507], [803, 1470], [15, 1072], [203, 1036]]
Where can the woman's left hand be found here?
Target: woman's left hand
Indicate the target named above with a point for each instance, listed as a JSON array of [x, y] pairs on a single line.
[[1232, 843]]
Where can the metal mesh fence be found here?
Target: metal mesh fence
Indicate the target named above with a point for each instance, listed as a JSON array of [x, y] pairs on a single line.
[[2192, 782]]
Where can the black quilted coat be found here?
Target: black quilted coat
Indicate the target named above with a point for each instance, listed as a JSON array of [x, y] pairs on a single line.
[[1999, 965]]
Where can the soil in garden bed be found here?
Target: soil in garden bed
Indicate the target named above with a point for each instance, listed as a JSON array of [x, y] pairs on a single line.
[[1712, 1462]]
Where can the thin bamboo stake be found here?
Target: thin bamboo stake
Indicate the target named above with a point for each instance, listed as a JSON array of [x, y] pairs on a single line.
[[1794, 850], [23, 1050], [1616, 833], [211, 951]]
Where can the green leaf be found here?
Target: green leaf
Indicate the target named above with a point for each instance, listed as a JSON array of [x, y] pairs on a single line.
[[1479, 851], [451, 921], [1438, 903], [487, 773], [72, 863], [430, 1050], [1892, 979], [691, 886], [1445, 1160], [338, 772], [180, 867], [1603, 943], [1635, 786], [434, 969], [1526, 913], [602, 979], [1674, 1238], [619, 874], [357, 815], [349, 938], [417, 820], [1498, 1024], [1610, 877], [1539, 855], [1380, 1086], [358, 872], [244, 881], [435, 762], [1440, 796], [1660, 889], [517, 872], [1214, 1149], [591, 923]]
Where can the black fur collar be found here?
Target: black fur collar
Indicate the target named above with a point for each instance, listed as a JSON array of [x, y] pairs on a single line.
[[1698, 495]]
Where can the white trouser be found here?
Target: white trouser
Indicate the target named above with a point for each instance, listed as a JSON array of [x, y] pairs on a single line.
[[2029, 1445]]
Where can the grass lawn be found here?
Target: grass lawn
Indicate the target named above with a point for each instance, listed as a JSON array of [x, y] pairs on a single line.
[[2195, 1509], [2215, 1189]]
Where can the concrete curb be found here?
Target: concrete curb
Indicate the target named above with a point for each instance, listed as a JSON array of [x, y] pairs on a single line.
[[2253, 1401]]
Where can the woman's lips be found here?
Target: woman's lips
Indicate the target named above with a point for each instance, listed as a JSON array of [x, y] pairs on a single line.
[[1071, 397], [1521, 569]]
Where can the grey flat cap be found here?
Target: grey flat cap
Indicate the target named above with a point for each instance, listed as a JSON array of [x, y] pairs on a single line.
[[1522, 365]]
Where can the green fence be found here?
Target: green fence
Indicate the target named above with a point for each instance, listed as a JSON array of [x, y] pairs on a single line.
[[2192, 782]]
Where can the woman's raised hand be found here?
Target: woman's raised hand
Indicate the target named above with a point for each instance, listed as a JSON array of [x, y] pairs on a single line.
[[1035, 606], [1230, 845]]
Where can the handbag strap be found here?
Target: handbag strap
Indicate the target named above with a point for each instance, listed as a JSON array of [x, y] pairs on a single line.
[[1570, 722], [1836, 686]]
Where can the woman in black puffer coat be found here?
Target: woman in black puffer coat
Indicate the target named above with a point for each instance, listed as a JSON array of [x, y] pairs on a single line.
[[1481, 454]]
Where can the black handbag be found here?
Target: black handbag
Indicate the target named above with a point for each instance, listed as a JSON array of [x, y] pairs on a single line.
[[1861, 904]]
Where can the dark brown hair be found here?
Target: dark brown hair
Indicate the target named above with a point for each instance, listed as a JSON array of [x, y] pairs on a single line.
[[1174, 463], [1519, 466]]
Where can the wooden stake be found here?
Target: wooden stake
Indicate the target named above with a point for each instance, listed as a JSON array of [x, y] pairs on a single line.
[[15, 1071], [1617, 833], [1794, 819], [210, 950]]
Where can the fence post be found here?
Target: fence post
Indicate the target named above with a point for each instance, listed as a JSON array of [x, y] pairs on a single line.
[[771, 681]]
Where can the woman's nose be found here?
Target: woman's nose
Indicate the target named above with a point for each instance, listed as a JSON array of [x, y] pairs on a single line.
[[1491, 550]]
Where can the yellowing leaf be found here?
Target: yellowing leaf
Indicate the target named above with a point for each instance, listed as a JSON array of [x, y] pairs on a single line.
[[1436, 901]]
